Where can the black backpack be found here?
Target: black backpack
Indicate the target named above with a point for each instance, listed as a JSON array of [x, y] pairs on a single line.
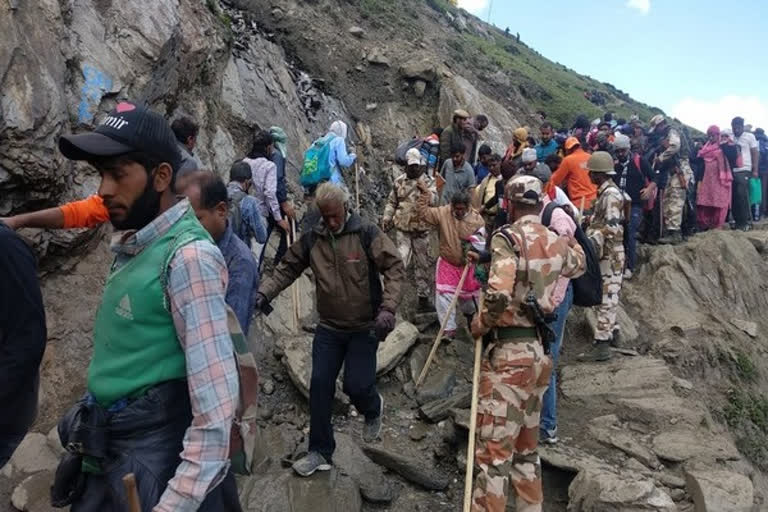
[[587, 289]]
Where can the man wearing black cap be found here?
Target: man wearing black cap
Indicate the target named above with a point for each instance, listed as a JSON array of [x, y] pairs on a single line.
[[162, 382]]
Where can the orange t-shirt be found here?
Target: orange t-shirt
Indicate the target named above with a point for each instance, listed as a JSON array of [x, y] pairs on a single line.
[[573, 171], [86, 213]]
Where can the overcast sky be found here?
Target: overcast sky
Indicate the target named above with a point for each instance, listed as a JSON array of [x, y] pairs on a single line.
[[700, 60]]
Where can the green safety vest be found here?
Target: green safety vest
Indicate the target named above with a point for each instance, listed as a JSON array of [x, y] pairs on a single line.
[[135, 345]]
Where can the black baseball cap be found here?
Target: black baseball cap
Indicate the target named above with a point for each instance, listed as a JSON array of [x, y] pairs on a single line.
[[128, 128]]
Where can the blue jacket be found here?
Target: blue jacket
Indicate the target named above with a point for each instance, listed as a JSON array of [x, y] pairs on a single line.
[[544, 150], [243, 277]]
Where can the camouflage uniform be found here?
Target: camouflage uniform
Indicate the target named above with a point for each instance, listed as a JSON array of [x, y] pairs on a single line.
[[412, 233], [607, 233], [674, 193], [515, 372]]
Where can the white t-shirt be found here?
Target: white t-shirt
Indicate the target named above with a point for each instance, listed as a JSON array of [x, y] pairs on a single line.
[[748, 142]]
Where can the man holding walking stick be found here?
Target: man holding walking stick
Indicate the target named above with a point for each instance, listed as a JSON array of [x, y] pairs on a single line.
[[457, 224], [527, 259]]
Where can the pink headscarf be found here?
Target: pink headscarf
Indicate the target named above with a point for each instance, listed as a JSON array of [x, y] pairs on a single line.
[[714, 130]]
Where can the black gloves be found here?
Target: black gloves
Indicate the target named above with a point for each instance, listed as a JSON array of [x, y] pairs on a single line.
[[385, 324]]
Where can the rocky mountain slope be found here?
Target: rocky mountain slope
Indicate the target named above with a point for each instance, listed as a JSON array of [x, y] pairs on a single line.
[[678, 421]]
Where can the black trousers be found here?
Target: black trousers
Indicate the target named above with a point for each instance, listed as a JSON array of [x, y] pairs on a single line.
[[331, 349], [144, 438], [740, 198]]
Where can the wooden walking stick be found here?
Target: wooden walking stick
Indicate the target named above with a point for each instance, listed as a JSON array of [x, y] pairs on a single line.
[[581, 206], [134, 503], [442, 325], [468, 479], [295, 286], [357, 187]]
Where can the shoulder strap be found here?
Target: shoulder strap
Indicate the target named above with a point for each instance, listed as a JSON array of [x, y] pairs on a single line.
[[367, 235], [546, 216]]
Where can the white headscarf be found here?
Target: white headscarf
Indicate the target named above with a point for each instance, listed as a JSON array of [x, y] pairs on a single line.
[[339, 128]]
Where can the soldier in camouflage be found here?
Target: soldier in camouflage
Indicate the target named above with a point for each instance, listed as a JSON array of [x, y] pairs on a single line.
[[606, 231], [672, 172], [526, 256], [411, 231]]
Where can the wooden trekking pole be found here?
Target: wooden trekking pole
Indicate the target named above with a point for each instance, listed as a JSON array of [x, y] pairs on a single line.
[[357, 187], [581, 206], [295, 286], [132, 493], [442, 325], [468, 478]]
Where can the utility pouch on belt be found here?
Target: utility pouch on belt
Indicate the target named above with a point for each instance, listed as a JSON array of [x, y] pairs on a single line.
[[83, 432], [69, 482]]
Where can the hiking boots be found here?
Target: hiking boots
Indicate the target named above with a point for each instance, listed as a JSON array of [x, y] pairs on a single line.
[[424, 305], [673, 237], [310, 463], [372, 427], [600, 352]]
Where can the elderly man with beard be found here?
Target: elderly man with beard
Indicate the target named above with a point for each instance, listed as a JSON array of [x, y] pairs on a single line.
[[348, 256], [162, 382]]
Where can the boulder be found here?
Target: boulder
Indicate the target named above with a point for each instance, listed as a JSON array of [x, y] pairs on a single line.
[[356, 31], [435, 387], [34, 454], [622, 440], [54, 442], [421, 68], [412, 470], [326, 491], [33, 494], [605, 491], [719, 491], [417, 360], [397, 344], [377, 58], [351, 460], [682, 445], [748, 327], [638, 377], [439, 410]]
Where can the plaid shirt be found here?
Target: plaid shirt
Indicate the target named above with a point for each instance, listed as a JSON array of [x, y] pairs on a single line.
[[197, 282]]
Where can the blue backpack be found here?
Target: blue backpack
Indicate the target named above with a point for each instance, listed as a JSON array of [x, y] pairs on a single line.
[[317, 162]]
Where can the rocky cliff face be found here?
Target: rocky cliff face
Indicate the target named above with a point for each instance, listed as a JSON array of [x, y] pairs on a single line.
[[679, 422]]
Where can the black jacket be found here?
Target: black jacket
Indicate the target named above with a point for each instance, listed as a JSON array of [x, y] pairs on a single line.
[[630, 178], [22, 334]]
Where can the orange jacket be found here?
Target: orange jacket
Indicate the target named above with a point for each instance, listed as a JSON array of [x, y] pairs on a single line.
[[573, 172], [86, 213]]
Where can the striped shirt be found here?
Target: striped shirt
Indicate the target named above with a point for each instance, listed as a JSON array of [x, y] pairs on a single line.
[[197, 282]]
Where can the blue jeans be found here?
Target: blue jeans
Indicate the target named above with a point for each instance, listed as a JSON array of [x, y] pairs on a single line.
[[630, 238], [548, 423], [357, 352]]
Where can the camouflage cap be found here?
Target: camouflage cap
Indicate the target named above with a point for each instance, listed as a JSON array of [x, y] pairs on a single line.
[[524, 189]]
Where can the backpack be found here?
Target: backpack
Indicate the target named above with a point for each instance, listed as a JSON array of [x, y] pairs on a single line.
[[403, 148], [587, 289], [235, 216], [317, 162]]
